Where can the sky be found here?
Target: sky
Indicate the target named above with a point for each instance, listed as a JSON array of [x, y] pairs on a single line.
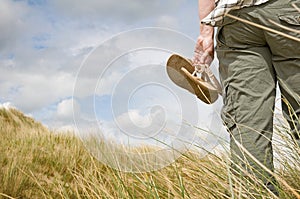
[[100, 63], [42, 44], [77, 64]]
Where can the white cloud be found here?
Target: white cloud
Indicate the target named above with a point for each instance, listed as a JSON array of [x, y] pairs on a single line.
[[36, 91], [62, 116], [65, 109], [6, 105], [136, 127], [11, 22], [43, 46], [134, 118]]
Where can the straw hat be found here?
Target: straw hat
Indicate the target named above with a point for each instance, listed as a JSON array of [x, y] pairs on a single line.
[[182, 72]]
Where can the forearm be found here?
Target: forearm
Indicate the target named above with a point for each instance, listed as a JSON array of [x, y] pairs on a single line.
[[204, 8], [204, 49]]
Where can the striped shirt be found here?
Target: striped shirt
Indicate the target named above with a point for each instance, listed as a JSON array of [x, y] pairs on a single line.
[[222, 7]]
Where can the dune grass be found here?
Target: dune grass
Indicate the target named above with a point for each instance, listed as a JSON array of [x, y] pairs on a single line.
[[37, 163]]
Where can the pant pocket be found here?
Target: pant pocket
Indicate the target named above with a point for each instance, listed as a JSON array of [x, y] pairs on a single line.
[[228, 110], [227, 21], [290, 19]]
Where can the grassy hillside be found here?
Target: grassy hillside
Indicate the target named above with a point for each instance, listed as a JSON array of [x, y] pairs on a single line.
[[37, 163]]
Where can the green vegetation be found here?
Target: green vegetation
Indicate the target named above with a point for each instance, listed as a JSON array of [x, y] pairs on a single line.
[[37, 163]]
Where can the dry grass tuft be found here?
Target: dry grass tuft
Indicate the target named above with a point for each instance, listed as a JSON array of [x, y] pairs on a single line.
[[35, 163]]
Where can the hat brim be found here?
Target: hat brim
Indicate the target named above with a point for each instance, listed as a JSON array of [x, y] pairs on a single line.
[[180, 69]]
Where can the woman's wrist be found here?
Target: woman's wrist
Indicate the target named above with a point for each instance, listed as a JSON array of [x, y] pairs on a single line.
[[206, 30]]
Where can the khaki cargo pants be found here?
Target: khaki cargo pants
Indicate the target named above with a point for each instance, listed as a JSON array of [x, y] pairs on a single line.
[[252, 61]]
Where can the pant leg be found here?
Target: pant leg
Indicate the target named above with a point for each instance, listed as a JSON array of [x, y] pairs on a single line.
[[249, 83], [286, 60]]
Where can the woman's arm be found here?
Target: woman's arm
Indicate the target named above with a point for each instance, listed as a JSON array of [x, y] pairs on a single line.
[[204, 49]]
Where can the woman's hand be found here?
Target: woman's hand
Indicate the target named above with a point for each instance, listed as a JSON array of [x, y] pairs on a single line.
[[204, 49]]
